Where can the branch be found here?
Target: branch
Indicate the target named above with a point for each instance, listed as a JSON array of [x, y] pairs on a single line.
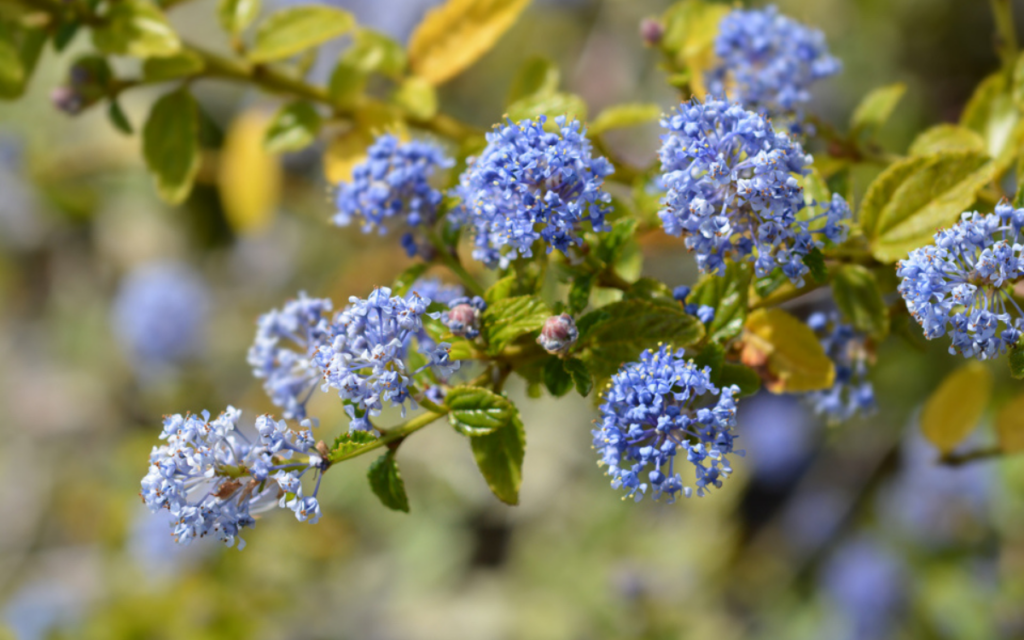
[[958, 459]]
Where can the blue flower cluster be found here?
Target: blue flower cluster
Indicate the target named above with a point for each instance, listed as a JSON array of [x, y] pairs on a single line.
[[393, 187], [287, 340], [851, 394], [160, 314], [651, 414], [769, 61], [364, 359], [962, 283], [212, 478], [531, 184], [733, 190]]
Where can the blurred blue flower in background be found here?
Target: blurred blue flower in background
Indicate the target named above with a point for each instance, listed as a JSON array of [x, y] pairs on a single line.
[[160, 315], [779, 433], [867, 583], [851, 394]]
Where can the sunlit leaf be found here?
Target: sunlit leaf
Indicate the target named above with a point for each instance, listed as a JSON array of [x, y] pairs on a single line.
[[179, 65], [135, 28], [1010, 425], [290, 31], [955, 407], [512, 318], [857, 295], [170, 144], [946, 137], [294, 127], [499, 456], [476, 411], [249, 176], [624, 115], [236, 15], [795, 358], [387, 484], [876, 107]]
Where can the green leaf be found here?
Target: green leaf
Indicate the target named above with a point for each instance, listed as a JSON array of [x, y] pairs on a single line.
[[293, 30], [501, 289], [1016, 359], [875, 108], [346, 84], [648, 288], [374, 52], [476, 411], [511, 318], [743, 377], [135, 28], [991, 112], [713, 356], [536, 76], [1010, 425], [770, 283], [454, 35], [65, 34], [417, 97], [499, 456], [579, 292], [235, 16], [170, 144], [557, 380], [20, 48], [858, 296], [387, 484], [690, 30], [580, 375], [350, 441], [118, 118], [946, 137], [794, 356], [815, 261], [955, 407], [12, 74], [629, 327], [610, 245], [294, 127], [624, 115], [179, 65], [403, 283], [551, 105], [728, 295], [912, 198]]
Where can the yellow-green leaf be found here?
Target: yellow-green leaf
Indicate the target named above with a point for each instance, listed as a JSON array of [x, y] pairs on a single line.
[[291, 31], [417, 97], [373, 52], [135, 28], [12, 74], [795, 358], [536, 76], [179, 65], [955, 408], [876, 107], [499, 456], [454, 35], [249, 177], [551, 105], [624, 115], [1010, 425], [170, 144], [858, 296], [946, 137], [690, 30], [991, 112], [236, 15], [294, 127]]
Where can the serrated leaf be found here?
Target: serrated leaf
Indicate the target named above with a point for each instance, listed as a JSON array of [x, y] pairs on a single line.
[[118, 118], [551, 105], [290, 31], [795, 358], [249, 178], [417, 97], [624, 115], [955, 407], [501, 289], [499, 456], [579, 292], [170, 144], [350, 441], [946, 137], [454, 35], [876, 107], [815, 261], [387, 484], [476, 411], [581, 377], [536, 76], [858, 296], [1010, 425], [728, 295], [626, 328], [179, 65], [511, 318], [135, 28], [294, 127], [235, 16], [557, 380]]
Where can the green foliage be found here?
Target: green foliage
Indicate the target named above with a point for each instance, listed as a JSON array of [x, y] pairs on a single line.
[[20, 48], [551, 105], [624, 115], [417, 98], [135, 28], [728, 295], [511, 318], [815, 261], [581, 378], [170, 144], [858, 296], [557, 380], [235, 16], [955, 407], [287, 32], [476, 411], [875, 108], [350, 441], [178, 65], [387, 484], [294, 127], [499, 456], [946, 137], [537, 76]]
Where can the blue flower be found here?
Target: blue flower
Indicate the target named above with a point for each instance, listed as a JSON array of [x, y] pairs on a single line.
[[392, 187], [868, 584], [530, 184], [851, 394], [657, 408], [767, 61], [733, 191], [436, 291], [287, 339], [160, 314], [703, 312], [212, 478], [365, 358], [962, 283]]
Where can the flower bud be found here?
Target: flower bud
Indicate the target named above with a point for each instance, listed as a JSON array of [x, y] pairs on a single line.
[[67, 100], [559, 334], [652, 31], [464, 317]]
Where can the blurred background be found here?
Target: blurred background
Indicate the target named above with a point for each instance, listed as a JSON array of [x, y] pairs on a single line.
[[116, 309]]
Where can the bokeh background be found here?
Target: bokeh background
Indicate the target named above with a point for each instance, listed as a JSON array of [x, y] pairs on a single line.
[[849, 531]]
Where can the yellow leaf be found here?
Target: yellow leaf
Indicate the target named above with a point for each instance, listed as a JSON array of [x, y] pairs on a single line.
[[1010, 425], [454, 35], [691, 29], [795, 359], [954, 409], [344, 153], [249, 176]]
